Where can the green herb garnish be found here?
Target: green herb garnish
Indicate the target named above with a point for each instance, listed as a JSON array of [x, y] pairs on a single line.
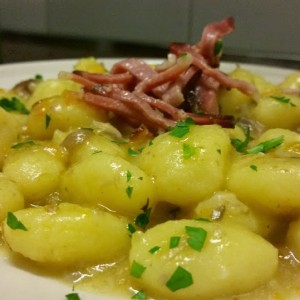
[[47, 120], [197, 237], [182, 128], [137, 269], [180, 279], [174, 241], [239, 145], [22, 144], [129, 191], [73, 296], [13, 105], [131, 228], [283, 99], [139, 295], [203, 219], [188, 151], [14, 223], [132, 152], [266, 146], [128, 175], [154, 249], [218, 48], [143, 219], [253, 167], [38, 77]]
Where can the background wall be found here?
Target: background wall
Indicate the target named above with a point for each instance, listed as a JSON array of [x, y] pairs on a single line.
[[264, 29]]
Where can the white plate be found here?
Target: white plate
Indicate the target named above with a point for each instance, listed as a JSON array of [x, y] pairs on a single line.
[[20, 284]]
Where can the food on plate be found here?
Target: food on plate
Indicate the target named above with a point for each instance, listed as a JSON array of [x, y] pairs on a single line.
[[172, 180]]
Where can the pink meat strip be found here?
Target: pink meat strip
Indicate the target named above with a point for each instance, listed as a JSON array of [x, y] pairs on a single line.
[[223, 79], [170, 74], [210, 36], [153, 96]]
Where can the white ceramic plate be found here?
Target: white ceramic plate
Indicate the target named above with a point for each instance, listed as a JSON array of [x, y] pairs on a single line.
[[20, 284]]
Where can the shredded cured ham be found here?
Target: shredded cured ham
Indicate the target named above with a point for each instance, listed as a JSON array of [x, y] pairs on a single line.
[[183, 86]]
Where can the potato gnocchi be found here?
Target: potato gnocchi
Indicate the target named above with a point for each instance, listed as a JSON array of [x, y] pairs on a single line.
[[208, 214]]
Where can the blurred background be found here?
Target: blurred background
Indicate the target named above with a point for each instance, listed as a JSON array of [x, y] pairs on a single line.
[[266, 31]]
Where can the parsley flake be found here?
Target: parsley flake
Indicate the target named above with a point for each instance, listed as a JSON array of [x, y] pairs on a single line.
[[132, 152], [129, 190], [197, 237], [137, 269], [283, 99], [47, 120], [38, 77], [182, 128], [143, 219], [253, 167], [266, 146], [174, 241], [13, 105], [139, 295], [154, 249], [73, 296], [239, 145], [180, 279], [218, 48], [131, 228], [22, 144], [188, 151], [128, 175], [13, 222]]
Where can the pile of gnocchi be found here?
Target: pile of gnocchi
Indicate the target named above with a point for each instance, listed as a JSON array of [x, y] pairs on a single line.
[[197, 212]]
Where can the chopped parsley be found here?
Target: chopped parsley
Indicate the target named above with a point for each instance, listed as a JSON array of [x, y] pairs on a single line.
[[137, 269], [129, 191], [283, 99], [174, 241], [13, 105], [197, 237], [182, 128], [73, 296], [239, 145], [180, 279], [38, 77], [203, 219], [131, 228], [128, 175], [143, 219], [132, 152], [218, 48], [22, 144], [266, 146], [139, 295], [188, 151], [154, 249], [253, 167], [14, 223], [47, 120]]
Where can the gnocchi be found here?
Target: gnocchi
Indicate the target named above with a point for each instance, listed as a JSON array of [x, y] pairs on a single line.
[[229, 260], [68, 235], [98, 174]]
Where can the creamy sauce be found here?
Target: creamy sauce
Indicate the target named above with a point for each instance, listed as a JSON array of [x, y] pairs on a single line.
[[113, 279]]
